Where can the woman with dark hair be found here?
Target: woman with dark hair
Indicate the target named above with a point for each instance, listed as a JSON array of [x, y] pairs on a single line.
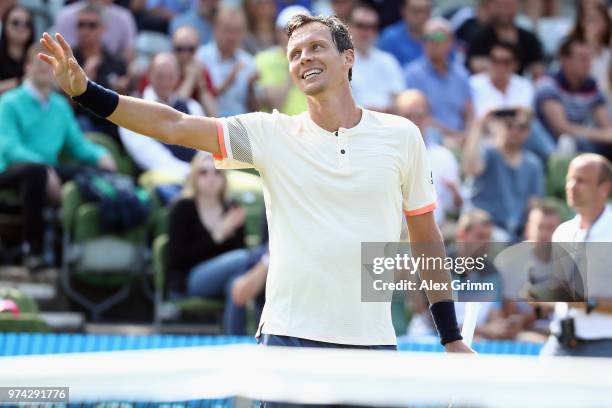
[[594, 26], [16, 37]]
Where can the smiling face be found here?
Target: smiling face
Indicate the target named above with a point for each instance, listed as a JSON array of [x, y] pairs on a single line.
[[315, 64]]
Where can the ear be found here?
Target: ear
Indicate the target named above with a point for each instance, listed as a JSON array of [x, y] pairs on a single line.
[[349, 58]]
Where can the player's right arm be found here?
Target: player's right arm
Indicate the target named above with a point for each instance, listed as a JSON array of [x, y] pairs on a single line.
[[148, 118]]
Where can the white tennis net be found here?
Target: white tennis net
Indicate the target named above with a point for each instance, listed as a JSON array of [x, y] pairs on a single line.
[[321, 376]]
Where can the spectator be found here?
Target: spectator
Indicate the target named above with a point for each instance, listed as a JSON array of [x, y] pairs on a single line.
[[469, 26], [588, 188], [232, 69], [499, 87], [443, 81], [99, 64], [206, 237], [36, 124], [17, 35], [506, 177], [156, 15], [120, 35], [503, 27], [594, 27], [195, 81], [261, 28], [340, 8], [164, 163], [404, 38], [199, 17], [569, 102], [4, 8], [377, 76], [413, 105], [277, 89], [527, 267], [30, 180]]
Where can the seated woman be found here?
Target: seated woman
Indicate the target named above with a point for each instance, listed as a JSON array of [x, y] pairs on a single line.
[[16, 37], [206, 249]]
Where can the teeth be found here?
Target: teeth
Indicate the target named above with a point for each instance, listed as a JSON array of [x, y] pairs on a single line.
[[311, 72]]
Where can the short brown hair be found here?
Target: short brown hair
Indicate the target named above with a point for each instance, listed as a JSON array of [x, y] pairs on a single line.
[[546, 207], [339, 31]]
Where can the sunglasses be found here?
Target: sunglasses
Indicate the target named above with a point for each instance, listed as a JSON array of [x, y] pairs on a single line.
[[90, 25], [20, 23], [365, 26], [184, 48], [502, 61], [205, 172], [437, 37]]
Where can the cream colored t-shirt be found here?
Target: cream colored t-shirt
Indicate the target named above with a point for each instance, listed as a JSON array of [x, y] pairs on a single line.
[[325, 194]]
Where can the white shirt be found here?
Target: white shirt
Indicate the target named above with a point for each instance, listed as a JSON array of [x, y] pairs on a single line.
[[594, 325], [234, 100], [486, 97], [325, 195], [377, 78], [148, 153]]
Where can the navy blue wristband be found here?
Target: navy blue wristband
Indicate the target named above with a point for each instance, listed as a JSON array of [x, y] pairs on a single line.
[[445, 319], [98, 100]]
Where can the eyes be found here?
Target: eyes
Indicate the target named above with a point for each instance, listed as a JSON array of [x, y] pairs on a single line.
[[314, 47]]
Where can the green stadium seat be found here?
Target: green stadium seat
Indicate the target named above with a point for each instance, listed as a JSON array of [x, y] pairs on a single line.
[[191, 305], [86, 254]]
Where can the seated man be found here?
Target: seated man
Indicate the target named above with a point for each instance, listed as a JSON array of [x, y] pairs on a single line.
[[505, 177], [37, 123], [200, 18], [277, 89], [165, 163], [570, 103], [442, 80], [413, 105], [231, 68], [99, 64], [377, 76]]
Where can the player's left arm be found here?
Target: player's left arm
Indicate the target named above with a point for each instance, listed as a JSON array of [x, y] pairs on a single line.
[[426, 241]]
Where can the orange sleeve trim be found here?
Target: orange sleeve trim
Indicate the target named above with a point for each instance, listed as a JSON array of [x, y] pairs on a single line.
[[422, 210], [221, 139]]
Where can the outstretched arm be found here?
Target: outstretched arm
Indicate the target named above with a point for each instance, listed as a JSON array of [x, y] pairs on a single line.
[[145, 117]]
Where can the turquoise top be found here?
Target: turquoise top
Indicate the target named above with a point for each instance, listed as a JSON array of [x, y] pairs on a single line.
[[35, 131]]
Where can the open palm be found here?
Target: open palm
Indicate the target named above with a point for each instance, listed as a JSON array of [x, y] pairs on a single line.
[[69, 75]]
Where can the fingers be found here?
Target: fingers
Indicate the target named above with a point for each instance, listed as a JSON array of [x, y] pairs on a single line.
[[52, 47], [64, 44], [49, 60]]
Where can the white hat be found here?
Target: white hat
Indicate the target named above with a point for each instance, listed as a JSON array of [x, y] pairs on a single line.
[[288, 13]]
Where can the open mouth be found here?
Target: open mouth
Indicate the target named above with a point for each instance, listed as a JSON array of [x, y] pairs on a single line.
[[311, 73]]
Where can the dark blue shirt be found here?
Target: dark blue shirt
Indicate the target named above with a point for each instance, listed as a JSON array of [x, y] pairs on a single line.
[[397, 40]]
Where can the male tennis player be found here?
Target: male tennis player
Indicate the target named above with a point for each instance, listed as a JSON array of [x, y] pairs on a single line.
[[333, 177]]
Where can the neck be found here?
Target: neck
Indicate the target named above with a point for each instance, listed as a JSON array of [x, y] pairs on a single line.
[[362, 50], [511, 153], [542, 251], [573, 81], [589, 216], [207, 201], [500, 83], [415, 31], [89, 50], [43, 91], [226, 54], [16, 51], [332, 112], [440, 65]]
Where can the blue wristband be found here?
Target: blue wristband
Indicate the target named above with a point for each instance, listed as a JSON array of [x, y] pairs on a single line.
[[445, 319], [98, 100]]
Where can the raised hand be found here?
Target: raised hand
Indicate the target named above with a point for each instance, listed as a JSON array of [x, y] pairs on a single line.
[[69, 75]]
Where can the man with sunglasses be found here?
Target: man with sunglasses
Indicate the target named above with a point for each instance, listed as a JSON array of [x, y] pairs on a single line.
[[505, 178], [377, 76], [443, 81], [99, 64]]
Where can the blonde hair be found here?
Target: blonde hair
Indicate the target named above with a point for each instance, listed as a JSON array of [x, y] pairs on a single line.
[[190, 188]]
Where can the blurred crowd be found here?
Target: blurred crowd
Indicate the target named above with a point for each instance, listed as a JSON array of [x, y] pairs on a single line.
[[504, 92]]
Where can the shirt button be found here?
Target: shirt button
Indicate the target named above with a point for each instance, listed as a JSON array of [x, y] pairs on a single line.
[[342, 151]]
